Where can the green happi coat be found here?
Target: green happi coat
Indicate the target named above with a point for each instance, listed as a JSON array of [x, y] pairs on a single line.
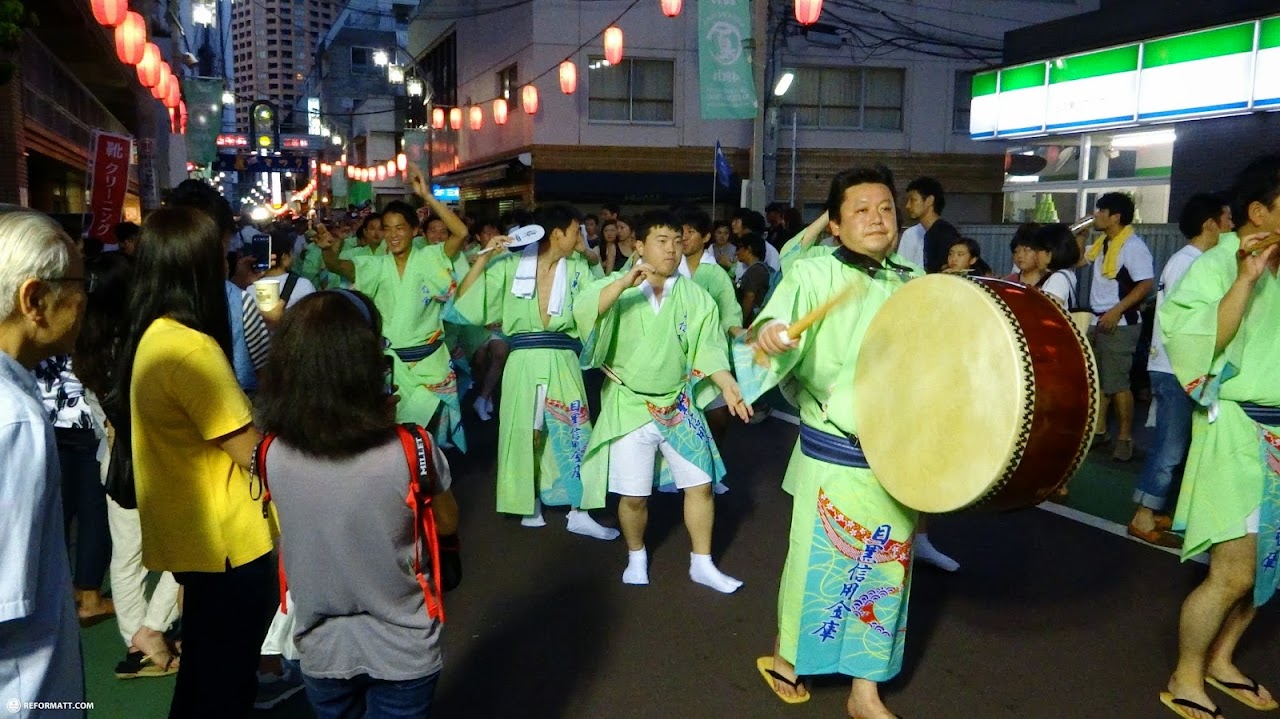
[[651, 358], [545, 465], [411, 305], [1226, 477], [842, 604]]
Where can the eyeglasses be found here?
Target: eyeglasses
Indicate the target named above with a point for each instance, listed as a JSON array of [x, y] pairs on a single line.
[[89, 282]]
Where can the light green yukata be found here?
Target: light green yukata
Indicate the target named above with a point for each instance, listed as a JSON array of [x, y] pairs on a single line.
[[310, 264], [842, 604], [650, 359], [1232, 465], [546, 464], [411, 305], [795, 250]]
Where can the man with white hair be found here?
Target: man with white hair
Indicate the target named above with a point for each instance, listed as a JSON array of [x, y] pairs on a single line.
[[42, 297]]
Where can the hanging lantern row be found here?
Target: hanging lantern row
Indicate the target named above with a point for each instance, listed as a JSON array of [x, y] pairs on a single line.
[[132, 47]]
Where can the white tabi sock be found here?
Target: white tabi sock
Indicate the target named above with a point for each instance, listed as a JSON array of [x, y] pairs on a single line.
[[637, 567], [535, 519], [926, 552], [483, 407], [703, 571], [580, 522]]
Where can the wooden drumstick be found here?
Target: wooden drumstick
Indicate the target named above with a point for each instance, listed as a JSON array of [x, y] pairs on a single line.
[[797, 328], [1274, 239]]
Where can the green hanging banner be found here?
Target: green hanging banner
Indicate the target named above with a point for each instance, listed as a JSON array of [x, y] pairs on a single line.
[[359, 193], [726, 82], [203, 96]]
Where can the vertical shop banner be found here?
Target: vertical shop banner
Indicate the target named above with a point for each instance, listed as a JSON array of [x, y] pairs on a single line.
[[203, 96], [726, 82], [109, 181]]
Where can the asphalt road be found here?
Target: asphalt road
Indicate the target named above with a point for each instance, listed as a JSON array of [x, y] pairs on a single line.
[[1047, 618]]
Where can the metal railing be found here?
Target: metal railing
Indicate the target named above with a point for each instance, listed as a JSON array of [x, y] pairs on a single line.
[[54, 99]]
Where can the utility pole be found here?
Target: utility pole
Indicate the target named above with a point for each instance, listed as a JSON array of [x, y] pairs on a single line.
[[760, 20]]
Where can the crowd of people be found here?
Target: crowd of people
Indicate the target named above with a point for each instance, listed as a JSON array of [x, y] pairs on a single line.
[[162, 397]]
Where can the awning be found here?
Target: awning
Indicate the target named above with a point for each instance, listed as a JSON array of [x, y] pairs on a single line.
[[1219, 71], [630, 188]]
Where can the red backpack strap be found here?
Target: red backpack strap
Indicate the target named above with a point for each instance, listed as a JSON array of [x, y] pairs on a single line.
[[259, 474], [417, 451]]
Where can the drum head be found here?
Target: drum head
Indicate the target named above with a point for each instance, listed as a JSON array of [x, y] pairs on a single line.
[[939, 390]]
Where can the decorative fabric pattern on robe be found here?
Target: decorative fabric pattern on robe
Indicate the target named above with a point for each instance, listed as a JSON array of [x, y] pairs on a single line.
[[842, 604]]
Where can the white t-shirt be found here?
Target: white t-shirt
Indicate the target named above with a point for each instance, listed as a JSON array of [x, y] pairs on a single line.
[[1136, 257], [1061, 285], [911, 244], [301, 289], [1174, 269]]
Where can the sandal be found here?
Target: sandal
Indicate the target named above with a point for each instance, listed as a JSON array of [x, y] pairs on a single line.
[[765, 666], [1180, 706], [136, 664], [1240, 691]]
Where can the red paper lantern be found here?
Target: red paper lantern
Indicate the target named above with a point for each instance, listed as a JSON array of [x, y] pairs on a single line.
[[391, 167], [402, 162], [382, 173], [477, 117], [161, 89], [149, 67], [455, 118], [437, 118], [131, 38], [499, 111], [182, 117], [613, 45], [173, 121], [110, 12], [807, 11], [671, 8], [568, 77], [174, 95], [351, 172], [529, 97]]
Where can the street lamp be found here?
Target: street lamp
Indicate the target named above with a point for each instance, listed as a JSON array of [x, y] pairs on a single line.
[[414, 87], [228, 97], [784, 83], [380, 58], [395, 74], [337, 140]]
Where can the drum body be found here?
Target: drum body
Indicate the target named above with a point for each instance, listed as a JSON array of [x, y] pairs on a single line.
[[974, 393]]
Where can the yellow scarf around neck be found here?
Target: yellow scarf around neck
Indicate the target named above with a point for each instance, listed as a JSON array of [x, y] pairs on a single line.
[[1110, 263]]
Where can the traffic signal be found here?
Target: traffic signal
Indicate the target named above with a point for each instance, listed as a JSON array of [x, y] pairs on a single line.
[[264, 126]]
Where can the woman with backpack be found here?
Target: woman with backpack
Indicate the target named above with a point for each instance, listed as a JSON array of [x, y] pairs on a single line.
[[365, 591]]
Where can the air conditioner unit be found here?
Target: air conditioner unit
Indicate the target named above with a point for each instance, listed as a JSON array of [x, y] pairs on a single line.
[[823, 34]]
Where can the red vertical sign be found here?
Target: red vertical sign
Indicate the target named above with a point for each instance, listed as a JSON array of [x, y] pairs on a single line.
[[109, 173]]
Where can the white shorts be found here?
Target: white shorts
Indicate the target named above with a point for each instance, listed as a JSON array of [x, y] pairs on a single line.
[[631, 463], [1253, 521]]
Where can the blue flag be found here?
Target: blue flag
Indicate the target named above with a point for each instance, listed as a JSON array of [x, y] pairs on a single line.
[[723, 171]]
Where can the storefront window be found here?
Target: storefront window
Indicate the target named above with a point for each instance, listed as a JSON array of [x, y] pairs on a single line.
[[1045, 180]]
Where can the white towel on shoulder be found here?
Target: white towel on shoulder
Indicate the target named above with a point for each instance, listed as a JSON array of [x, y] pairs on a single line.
[[525, 284]]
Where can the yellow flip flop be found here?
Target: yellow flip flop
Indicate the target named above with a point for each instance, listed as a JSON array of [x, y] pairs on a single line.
[[765, 665], [1180, 706], [1240, 691]]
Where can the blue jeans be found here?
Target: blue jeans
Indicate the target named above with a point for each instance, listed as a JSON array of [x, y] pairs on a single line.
[[1169, 448], [364, 697]]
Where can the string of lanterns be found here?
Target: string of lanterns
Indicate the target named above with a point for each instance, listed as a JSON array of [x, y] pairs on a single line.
[[806, 11], [133, 48]]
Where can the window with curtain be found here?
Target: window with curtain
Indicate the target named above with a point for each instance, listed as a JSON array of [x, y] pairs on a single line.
[[963, 101], [847, 98], [635, 90]]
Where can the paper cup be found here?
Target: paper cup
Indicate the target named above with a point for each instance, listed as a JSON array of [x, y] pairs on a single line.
[[267, 293]]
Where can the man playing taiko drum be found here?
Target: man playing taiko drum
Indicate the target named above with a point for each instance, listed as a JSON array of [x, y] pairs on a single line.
[[843, 599]]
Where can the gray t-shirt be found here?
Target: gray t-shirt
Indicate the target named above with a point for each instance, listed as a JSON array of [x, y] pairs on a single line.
[[347, 546]]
